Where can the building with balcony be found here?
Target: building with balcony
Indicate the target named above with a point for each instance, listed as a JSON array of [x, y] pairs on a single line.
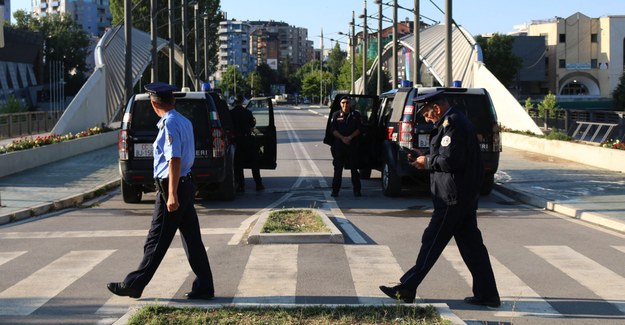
[[93, 16]]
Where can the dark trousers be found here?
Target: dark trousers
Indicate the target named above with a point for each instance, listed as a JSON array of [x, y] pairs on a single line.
[[344, 156], [162, 232], [458, 221], [246, 154]]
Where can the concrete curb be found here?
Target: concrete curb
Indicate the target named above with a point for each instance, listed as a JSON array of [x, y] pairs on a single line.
[[68, 202], [442, 309], [335, 236]]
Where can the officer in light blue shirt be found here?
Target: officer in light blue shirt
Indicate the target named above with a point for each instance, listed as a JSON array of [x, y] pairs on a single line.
[[174, 152]]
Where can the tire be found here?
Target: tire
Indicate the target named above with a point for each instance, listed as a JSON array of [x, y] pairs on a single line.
[[227, 189], [130, 193], [365, 173], [487, 184], [391, 182]]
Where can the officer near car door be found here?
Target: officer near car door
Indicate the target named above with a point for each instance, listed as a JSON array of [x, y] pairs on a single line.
[[174, 153], [456, 173], [346, 125]]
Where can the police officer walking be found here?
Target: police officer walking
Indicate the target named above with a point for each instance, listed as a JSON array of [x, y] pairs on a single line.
[[174, 153], [243, 123], [346, 128], [455, 175]]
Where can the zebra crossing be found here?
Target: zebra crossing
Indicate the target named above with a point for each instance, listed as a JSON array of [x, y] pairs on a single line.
[[369, 266]]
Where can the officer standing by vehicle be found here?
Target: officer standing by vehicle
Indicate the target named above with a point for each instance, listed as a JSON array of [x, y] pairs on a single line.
[[243, 123], [346, 128], [174, 153], [456, 173]]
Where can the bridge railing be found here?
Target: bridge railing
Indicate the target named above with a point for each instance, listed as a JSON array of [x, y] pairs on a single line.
[[586, 125], [28, 123]]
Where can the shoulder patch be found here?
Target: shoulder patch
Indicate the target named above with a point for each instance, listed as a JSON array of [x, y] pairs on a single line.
[[169, 139], [445, 141]]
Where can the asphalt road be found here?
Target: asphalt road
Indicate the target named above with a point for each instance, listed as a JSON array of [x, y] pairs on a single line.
[[550, 269]]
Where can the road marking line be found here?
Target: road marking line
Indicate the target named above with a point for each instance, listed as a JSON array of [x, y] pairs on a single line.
[[620, 248], [100, 233], [7, 256], [604, 282], [518, 299], [270, 275], [169, 277], [372, 265], [34, 291]]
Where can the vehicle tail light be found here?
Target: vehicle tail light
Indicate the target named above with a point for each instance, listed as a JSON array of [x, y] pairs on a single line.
[[405, 134], [122, 145], [389, 132], [218, 142], [496, 138]]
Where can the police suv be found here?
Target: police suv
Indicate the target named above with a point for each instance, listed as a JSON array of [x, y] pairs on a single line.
[[392, 130], [214, 153]]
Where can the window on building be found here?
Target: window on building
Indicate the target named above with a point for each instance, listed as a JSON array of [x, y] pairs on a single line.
[[561, 63], [593, 38], [562, 38], [574, 88], [593, 64]]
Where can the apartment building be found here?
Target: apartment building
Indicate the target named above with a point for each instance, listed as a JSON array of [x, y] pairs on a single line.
[[93, 16]]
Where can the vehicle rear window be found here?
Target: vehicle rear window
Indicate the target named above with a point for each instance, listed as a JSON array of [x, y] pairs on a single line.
[[143, 117], [476, 108]]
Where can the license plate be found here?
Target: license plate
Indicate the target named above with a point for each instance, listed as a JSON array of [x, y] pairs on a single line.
[[423, 140], [143, 150]]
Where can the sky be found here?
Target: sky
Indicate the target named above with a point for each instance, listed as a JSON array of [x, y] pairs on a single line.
[[333, 16]]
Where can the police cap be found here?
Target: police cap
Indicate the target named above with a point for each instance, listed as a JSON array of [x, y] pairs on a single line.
[[160, 90], [425, 99]]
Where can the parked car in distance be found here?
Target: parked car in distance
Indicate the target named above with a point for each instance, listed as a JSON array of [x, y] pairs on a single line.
[[213, 169], [393, 129]]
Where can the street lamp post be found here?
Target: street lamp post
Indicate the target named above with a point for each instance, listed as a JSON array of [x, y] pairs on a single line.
[[395, 80], [196, 27], [154, 69], [185, 30], [353, 25], [205, 16], [128, 59], [416, 26], [448, 57], [380, 48], [170, 6], [364, 50]]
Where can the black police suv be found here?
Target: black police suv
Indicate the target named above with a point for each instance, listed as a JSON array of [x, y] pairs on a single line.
[[214, 152], [393, 130]]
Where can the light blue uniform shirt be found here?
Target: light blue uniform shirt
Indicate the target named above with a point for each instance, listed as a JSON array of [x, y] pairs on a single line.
[[175, 139]]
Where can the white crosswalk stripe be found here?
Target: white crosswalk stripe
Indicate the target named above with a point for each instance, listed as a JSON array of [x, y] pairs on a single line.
[[7, 256], [370, 266], [31, 293], [620, 248], [270, 275], [517, 298], [167, 280], [602, 281]]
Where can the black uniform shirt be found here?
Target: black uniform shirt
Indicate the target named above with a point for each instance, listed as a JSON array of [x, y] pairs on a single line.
[[454, 160], [243, 121], [346, 124]]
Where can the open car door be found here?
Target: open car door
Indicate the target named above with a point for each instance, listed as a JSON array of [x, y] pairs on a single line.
[[265, 132]]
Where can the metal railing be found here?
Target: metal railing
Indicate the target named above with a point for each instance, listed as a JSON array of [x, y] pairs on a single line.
[[580, 124], [29, 123]]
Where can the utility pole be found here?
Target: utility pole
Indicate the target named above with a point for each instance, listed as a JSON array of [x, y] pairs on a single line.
[[379, 48], [365, 49], [185, 30], [395, 80], [196, 34], [153, 36], [448, 57], [172, 44], [128, 61], [416, 26], [353, 25]]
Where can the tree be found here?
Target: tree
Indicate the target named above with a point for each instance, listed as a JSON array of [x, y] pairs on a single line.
[[233, 82], [65, 42], [13, 105], [336, 58], [619, 94], [550, 104], [498, 57]]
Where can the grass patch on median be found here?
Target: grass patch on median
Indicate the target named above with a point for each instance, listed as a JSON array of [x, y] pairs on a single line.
[[294, 221], [392, 314]]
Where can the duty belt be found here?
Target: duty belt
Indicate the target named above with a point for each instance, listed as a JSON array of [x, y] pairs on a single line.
[[162, 184]]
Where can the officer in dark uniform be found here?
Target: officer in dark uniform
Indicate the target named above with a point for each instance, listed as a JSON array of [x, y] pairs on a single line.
[[346, 128], [243, 122], [455, 175], [174, 152]]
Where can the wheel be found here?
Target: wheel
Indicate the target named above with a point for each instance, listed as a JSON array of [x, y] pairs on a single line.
[[391, 182], [487, 184], [365, 173], [227, 189], [131, 194]]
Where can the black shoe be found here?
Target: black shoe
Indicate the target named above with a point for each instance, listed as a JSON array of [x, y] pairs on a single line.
[[399, 292], [357, 193], [334, 194], [260, 187], [120, 289], [493, 302], [199, 295]]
